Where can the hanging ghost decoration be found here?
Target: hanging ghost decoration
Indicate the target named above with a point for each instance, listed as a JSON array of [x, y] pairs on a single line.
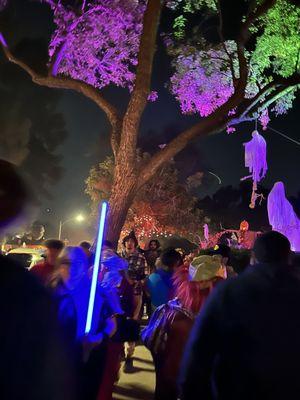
[[282, 216], [256, 162], [206, 232]]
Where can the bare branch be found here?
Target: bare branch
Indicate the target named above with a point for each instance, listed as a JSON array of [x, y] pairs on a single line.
[[72, 84], [212, 124]]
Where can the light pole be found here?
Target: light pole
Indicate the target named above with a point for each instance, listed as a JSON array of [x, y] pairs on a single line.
[[78, 218]]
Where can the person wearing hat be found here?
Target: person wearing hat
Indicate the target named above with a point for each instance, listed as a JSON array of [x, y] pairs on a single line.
[[136, 273], [225, 252], [245, 343], [171, 323]]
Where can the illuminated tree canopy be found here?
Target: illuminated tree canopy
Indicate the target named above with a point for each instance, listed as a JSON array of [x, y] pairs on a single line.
[[246, 67], [163, 206], [205, 75], [97, 44]]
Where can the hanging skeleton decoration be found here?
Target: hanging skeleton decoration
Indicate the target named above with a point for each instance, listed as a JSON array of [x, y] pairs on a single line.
[[256, 161]]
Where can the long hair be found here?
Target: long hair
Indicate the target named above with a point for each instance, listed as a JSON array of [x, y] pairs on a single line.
[[192, 294]]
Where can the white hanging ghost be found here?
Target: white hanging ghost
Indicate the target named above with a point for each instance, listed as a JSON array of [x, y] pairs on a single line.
[[282, 216], [256, 161]]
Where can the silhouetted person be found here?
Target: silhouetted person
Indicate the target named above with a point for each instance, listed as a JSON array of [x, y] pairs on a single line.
[[33, 362], [45, 269], [87, 248], [245, 344]]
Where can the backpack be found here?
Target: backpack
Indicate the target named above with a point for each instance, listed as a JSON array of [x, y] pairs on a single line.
[[155, 335]]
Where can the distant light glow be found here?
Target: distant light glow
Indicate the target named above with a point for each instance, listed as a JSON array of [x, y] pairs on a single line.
[[96, 268], [79, 218]]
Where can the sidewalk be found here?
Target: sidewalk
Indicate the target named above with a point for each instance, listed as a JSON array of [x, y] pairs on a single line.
[[140, 384]]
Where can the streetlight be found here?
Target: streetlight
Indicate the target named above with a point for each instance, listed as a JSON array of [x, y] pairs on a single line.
[[78, 218]]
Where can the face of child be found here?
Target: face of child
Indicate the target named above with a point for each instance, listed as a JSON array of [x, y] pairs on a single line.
[[152, 246]]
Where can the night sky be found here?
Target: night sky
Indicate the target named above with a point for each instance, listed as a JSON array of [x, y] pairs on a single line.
[[88, 143]]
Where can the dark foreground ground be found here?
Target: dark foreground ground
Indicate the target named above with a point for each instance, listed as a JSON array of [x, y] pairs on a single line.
[[140, 384]]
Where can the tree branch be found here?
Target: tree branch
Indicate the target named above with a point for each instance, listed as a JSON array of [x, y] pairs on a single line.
[[139, 96], [217, 121], [242, 40], [277, 89], [230, 58], [72, 84], [211, 124], [262, 9]]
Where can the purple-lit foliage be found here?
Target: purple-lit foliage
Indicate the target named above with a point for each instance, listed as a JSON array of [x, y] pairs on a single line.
[[98, 43], [200, 83], [203, 80]]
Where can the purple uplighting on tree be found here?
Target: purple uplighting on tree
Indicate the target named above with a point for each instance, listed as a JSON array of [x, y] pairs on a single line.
[[100, 46], [199, 87], [282, 216]]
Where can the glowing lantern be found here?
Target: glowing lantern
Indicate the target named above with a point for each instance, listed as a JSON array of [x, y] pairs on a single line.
[[244, 226]]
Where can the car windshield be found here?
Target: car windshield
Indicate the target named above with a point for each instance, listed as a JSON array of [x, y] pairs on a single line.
[[21, 258]]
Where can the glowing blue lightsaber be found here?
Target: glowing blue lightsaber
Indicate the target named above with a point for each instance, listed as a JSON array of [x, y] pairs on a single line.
[[96, 268]]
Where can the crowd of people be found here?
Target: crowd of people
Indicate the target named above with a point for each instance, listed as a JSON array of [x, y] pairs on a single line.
[[213, 333]]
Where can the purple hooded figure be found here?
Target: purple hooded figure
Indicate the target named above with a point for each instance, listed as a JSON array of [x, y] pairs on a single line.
[[256, 162], [282, 216]]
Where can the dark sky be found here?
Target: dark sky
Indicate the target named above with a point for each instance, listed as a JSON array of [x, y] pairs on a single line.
[[88, 143]]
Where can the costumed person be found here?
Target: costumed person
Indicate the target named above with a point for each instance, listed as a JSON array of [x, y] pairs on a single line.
[[282, 216], [225, 252], [137, 266], [160, 283], [87, 248], [245, 343], [34, 363], [71, 286], [45, 269], [152, 254], [256, 161], [113, 278], [170, 325]]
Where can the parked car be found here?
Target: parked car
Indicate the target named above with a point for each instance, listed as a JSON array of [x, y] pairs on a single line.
[[28, 257]]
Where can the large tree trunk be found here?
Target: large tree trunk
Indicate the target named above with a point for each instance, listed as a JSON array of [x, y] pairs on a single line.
[[123, 192]]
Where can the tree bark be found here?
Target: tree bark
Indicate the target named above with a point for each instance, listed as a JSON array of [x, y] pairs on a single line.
[[122, 195]]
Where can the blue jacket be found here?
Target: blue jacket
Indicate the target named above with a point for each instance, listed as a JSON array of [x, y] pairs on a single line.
[[160, 285]]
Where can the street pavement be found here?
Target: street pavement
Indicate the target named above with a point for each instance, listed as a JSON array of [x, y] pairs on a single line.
[[140, 384]]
